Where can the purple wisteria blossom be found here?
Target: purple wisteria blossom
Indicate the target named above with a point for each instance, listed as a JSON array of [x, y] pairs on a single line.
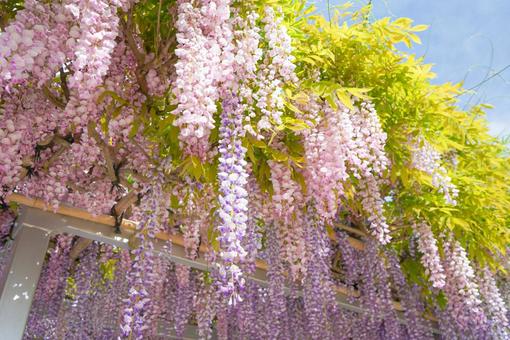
[[232, 213]]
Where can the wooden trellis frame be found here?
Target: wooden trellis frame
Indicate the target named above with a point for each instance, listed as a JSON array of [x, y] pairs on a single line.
[[38, 221]]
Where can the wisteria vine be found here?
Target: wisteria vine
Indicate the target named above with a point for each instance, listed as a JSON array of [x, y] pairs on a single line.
[[205, 123]]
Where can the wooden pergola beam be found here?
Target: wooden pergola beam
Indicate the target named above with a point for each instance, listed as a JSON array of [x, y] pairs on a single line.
[[130, 226], [126, 224], [80, 246]]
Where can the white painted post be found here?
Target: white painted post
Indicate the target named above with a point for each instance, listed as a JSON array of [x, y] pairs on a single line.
[[19, 287]]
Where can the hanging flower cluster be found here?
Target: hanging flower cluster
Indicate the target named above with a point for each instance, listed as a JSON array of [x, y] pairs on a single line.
[[288, 201], [318, 286], [425, 158], [376, 296], [202, 36], [464, 303], [277, 68], [233, 203], [93, 42], [410, 299], [427, 245], [493, 304], [142, 277], [369, 165], [328, 148], [32, 48]]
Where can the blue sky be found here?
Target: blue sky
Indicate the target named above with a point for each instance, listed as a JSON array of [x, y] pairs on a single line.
[[468, 40]]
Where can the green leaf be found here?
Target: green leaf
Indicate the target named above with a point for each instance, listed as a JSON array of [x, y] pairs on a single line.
[[343, 96], [331, 101], [419, 28], [298, 177], [196, 168], [256, 142], [291, 107], [134, 128], [278, 155], [174, 202], [358, 92], [403, 22], [460, 222], [416, 39], [251, 154], [294, 124], [113, 95]]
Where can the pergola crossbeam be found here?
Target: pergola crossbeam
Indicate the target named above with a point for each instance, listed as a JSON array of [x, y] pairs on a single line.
[[35, 214], [19, 284]]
